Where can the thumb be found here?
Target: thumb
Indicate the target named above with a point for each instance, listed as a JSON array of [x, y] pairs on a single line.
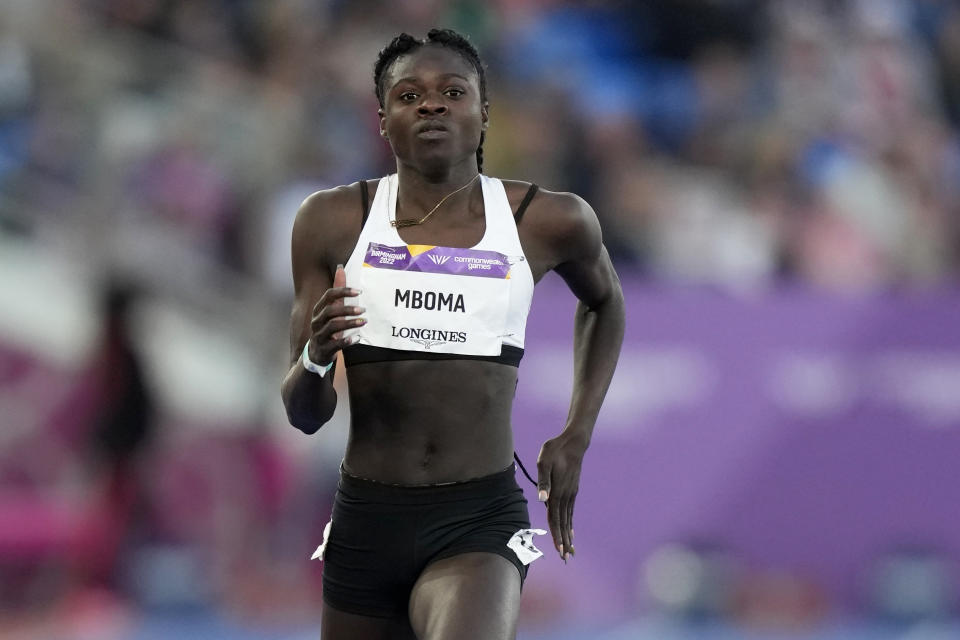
[[339, 277]]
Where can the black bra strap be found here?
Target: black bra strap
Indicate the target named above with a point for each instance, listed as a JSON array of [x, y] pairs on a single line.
[[524, 469], [532, 191], [365, 199]]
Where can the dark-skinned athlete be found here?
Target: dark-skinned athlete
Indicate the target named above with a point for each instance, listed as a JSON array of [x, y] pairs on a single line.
[[423, 280]]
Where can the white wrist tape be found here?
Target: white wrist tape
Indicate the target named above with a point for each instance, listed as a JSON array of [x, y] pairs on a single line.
[[310, 365]]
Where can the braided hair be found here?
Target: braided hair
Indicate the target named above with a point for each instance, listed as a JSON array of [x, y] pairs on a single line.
[[405, 43]]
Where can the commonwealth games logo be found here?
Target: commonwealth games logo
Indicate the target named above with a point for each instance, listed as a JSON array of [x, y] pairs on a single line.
[[438, 259]]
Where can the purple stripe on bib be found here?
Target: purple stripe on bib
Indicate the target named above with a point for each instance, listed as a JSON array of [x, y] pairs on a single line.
[[448, 260]]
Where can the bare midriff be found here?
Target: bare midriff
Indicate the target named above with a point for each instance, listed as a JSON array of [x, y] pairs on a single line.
[[415, 422]]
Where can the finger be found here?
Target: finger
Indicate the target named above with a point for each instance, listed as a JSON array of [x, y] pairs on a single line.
[[346, 342], [333, 297], [563, 510], [553, 518], [543, 479], [565, 528], [329, 353], [332, 300], [324, 312], [335, 327], [331, 314], [573, 500], [330, 349], [330, 339], [339, 282]]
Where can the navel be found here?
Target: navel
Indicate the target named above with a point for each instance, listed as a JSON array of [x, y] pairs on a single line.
[[428, 452]]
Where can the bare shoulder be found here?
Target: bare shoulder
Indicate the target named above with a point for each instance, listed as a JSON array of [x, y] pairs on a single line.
[[327, 210], [328, 223], [558, 226]]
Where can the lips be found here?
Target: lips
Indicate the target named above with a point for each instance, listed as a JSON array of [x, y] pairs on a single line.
[[431, 128]]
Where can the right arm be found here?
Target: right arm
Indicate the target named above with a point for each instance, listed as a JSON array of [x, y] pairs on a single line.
[[318, 315]]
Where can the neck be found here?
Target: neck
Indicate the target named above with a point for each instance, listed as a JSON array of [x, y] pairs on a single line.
[[419, 191]]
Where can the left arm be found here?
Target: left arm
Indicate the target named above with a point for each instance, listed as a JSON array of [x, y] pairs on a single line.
[[585, 266], [597, 336]]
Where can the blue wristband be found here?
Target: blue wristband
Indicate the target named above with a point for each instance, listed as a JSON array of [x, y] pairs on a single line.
[[310, 365]]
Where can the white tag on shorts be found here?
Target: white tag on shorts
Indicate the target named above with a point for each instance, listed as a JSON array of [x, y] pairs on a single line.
[[522, 544], [318, 554]]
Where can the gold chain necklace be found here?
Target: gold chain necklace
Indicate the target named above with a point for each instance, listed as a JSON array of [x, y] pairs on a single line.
[[411, 222]]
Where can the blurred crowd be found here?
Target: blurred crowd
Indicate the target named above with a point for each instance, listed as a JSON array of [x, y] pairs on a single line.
[[743, 144], [737, 143]]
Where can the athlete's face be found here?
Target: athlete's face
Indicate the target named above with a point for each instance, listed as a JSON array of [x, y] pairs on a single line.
[[433, 113]]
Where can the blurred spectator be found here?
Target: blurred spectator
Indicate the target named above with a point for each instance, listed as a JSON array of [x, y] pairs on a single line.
[[121, 431], [123, 424]]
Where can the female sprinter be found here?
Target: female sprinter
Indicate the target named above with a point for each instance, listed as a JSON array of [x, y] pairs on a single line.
[[423, 279]]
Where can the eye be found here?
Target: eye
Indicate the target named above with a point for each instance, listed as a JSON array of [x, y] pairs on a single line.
[[408, 96], [454, 92]]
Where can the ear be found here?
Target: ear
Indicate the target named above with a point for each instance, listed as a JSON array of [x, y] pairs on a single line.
[[383, 123], [484, 115]]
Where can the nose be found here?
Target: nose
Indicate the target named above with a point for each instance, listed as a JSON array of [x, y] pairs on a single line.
[[431, 104]]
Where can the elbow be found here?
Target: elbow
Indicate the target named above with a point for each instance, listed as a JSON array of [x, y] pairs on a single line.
[[621, 304], [303, 418], [308, 427], [612, 304], [616, 302], [307, 424]]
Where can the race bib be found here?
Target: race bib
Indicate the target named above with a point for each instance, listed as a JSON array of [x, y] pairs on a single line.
[[436, 299]]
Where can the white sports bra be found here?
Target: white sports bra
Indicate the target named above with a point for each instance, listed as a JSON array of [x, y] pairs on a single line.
[[434, 302]]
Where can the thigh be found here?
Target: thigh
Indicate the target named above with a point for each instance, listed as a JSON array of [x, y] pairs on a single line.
[[340, 625], [368, 561], [471, 595]]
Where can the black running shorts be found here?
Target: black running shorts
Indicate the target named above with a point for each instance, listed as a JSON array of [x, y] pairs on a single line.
[[382, 536]]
